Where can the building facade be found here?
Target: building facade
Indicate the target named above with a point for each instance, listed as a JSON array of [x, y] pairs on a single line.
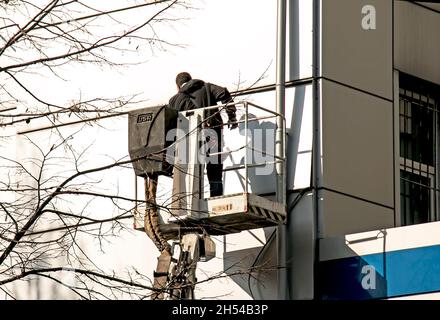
[[374, 166]]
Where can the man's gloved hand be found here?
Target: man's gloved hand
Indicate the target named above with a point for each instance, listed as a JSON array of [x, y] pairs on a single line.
[[232, 124]]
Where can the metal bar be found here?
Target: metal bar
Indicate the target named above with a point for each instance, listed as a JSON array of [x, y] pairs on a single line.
[[406, 120], [258, 118], [135, 193], [317, 152], [260, 89], [218, 106], [275, 113], [223, 152], [253, 165], [280, 92], [265, 109], [246, 143], [413, 138], [279, 144], [421, 137], [270, 87], [267, 154], [436, 158], [126, 112], [249, 120]]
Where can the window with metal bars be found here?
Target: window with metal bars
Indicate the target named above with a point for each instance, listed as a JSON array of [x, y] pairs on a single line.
[[419, 159]]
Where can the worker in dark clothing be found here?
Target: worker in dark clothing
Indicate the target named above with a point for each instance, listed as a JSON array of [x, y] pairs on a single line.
[[194, 93]]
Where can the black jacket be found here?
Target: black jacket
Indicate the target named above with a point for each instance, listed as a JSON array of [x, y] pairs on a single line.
[[198, 94]]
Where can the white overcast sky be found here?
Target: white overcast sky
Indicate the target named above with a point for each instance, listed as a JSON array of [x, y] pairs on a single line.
[[224, 41]]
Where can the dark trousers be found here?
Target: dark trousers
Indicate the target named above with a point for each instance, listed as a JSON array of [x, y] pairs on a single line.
[[214, 167]]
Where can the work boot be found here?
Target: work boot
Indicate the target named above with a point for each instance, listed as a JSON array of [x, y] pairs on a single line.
[[216, 188]]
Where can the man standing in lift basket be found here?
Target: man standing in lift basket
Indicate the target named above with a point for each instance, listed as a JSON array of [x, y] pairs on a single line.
[[193, 94]]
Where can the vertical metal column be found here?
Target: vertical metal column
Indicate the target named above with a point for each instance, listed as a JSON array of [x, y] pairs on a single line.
[[317, 150], [279, 143], [246, 109]]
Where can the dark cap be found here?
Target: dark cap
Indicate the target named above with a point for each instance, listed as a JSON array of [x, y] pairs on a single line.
[[182, 77]]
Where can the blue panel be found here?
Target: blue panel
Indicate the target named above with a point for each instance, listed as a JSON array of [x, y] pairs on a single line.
[[397, 273]]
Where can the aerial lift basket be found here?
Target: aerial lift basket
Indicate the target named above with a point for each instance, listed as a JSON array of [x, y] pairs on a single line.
[[189, 210]]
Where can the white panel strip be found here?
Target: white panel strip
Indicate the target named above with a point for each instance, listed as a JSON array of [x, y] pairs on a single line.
[[360, 244]]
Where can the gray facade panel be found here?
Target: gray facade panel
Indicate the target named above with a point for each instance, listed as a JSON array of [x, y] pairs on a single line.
[[417, 41], [301, 246], [345, 215], [357, 144], [355, 56]]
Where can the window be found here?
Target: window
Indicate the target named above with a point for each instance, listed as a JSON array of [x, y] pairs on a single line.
[[419, 136]]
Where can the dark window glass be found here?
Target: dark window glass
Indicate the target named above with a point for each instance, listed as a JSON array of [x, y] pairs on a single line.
[[415, 200], [418, 126]]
